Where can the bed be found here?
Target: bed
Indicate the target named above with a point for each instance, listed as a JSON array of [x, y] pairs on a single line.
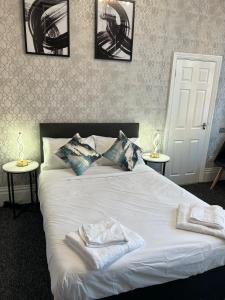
[[173, 264]]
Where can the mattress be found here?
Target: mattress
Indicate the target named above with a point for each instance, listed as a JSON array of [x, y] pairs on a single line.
[[142, 200]]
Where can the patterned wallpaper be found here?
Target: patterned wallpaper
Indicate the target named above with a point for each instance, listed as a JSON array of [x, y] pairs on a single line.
[[37, 89]]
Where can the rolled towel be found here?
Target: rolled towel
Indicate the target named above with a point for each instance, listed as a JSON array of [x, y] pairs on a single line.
[[105, 233], [183, 214], [99, 258], [210, 216]]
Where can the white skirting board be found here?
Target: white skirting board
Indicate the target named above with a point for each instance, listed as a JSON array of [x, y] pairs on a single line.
[[22, 192]]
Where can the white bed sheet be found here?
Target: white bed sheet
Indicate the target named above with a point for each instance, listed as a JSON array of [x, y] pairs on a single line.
[[142, 200]]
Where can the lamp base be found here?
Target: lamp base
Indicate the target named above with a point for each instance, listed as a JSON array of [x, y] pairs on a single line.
[[154, 155], [22, 163]]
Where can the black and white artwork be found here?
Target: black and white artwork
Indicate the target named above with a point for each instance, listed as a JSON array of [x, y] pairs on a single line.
[[46, 25], [114, 29]]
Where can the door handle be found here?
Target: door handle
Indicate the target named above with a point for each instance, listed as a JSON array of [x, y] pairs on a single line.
[[204, 125]]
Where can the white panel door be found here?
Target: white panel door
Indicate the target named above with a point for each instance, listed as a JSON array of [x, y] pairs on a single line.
[[192, 93]]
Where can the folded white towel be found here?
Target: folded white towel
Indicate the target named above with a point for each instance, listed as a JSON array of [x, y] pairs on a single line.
[[210, 216], [99, 258], [183, 214], [105, 233]]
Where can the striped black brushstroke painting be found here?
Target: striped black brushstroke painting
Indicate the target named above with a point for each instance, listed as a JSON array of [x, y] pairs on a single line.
[[114, 29], [47, 27]]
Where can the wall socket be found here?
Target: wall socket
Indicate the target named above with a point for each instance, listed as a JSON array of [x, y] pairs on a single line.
[[222, 130]]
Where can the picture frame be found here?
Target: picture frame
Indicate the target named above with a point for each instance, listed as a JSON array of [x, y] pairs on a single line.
[[114, 29], [46, 27]]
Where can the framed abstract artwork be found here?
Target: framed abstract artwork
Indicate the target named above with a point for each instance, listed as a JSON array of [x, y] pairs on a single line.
[[114, 29], [46, 26]]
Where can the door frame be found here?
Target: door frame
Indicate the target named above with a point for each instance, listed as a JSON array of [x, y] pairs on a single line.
[[194, 57]]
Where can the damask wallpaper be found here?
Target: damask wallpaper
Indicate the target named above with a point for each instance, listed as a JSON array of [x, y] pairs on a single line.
[[37, 89]]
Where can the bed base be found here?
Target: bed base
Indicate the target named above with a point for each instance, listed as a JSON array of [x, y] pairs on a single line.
[[207, 286]]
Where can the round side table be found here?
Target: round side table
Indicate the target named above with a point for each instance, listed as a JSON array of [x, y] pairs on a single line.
[[163, 159], [11, 169]]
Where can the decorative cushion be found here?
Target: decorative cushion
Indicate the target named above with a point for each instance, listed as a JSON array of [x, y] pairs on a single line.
[[51, 145], [102, 144], [79, 154], [123, 152]]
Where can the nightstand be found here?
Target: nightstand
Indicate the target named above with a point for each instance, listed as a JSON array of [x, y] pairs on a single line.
[[11, 169], [163, 159]]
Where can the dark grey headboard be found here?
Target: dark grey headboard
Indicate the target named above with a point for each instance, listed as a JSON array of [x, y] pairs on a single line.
[[67, 130]]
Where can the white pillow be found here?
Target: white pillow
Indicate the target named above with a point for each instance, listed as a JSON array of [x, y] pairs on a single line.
[[51, 145], [102, 144]]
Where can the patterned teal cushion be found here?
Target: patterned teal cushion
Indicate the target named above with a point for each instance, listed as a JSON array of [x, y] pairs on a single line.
[[78, 153], [123, 153]]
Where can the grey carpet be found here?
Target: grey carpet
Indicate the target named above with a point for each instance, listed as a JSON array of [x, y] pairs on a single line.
[[202, 191], [23, 266]]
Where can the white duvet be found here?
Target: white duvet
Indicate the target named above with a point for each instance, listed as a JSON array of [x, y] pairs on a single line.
[[143, 201]]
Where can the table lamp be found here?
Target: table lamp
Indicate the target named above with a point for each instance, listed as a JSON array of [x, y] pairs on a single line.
[[156, 145], [20, 161]]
